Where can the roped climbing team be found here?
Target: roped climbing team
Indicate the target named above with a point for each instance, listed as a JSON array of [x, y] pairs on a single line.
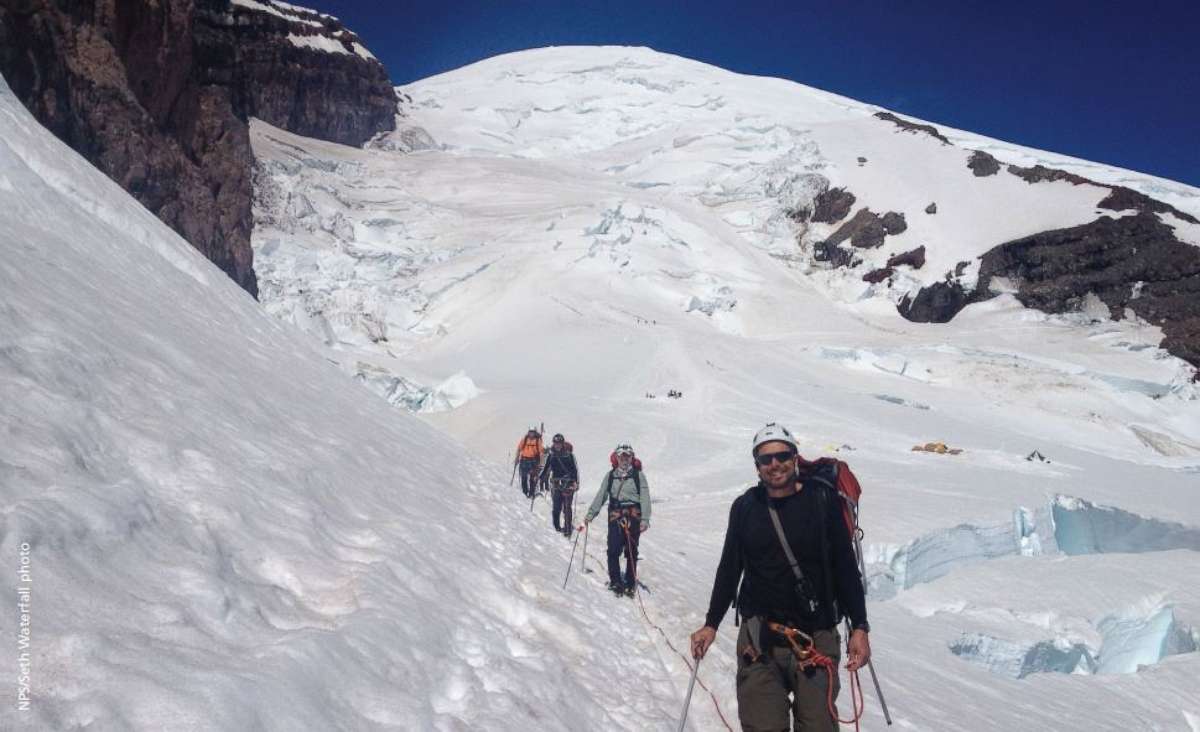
[[787, 564]]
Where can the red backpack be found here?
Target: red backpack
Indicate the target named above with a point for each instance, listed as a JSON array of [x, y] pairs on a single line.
[[847, 487], [637, 463]]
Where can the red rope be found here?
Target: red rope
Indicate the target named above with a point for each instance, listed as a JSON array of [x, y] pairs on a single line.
[[857, 703], [642, 605], [807, 656]]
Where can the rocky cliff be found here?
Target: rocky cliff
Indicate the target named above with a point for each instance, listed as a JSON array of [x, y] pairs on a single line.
[[1130, 256], [157, 94]]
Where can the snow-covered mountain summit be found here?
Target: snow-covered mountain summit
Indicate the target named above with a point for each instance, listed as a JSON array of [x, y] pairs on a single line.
[[576, 170]]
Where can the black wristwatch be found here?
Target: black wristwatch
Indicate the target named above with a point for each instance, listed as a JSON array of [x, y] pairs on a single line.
[[863, 626]]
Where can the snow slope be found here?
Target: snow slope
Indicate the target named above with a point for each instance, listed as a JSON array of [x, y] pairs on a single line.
[[227, 533], [577, 228]]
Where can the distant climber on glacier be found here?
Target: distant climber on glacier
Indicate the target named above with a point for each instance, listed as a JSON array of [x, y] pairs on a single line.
[[627, 493], [562, 475], [529, 456], [789, 547]]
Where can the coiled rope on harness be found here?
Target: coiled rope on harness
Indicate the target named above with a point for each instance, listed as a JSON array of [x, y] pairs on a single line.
[[663, 633], [807, 656]]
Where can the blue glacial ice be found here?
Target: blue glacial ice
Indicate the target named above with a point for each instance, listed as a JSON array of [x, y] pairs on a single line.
[[1081, 527]]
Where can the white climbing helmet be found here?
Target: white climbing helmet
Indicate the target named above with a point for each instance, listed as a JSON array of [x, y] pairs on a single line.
[[773, 432]]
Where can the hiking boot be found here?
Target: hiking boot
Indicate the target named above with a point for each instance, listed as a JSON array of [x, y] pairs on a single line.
[[616, 588], [567, 532], [630, 590]]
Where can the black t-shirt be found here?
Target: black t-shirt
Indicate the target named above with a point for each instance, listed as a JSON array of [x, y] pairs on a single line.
[[752, 549]]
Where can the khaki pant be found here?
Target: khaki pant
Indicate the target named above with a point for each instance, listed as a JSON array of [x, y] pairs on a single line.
[[764, 686]]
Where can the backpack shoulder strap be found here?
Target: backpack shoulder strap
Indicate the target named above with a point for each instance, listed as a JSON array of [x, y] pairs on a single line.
[[826, 565], [787, 550]]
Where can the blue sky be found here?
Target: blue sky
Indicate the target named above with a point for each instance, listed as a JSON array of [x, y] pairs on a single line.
[[1113, 82]]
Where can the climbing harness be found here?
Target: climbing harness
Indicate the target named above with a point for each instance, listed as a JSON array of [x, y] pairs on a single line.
[[807, 656]]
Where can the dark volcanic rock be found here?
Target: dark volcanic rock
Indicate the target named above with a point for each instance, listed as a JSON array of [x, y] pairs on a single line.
[[832, 205], [1131, 262], [157, 93], [914, 258], [982, 164], [824, 251], [938, 303], [894, 223], [1123, 199], [1042, 174], [1119, 198], [931, 208], [878, 275], [865, 231], [1057, 269], [912, 126]]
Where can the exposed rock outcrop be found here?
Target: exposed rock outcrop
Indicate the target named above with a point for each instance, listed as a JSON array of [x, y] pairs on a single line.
[[938, 303], [867, 229], [157, 93], [914, 258], [1119, 198], [307, 73], [832, 205], [878, 275], [982, 164], [893, 223], [908, 126], [824, 251], [931, 208], [1042, 174], [1124, 199], [1133, 262]]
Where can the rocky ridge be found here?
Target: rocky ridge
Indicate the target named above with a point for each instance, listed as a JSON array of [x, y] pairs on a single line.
[[158, 95], [1134, 264]]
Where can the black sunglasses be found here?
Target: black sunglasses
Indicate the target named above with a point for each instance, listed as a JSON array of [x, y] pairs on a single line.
[[774, 457]]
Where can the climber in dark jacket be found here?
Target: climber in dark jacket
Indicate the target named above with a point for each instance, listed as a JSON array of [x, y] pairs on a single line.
[[810, 518], [562, 474]]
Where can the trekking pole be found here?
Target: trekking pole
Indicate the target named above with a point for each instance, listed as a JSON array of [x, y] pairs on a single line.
[[687, 700], [879, 691], [514, 475], [571, 561], [862, 570]]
